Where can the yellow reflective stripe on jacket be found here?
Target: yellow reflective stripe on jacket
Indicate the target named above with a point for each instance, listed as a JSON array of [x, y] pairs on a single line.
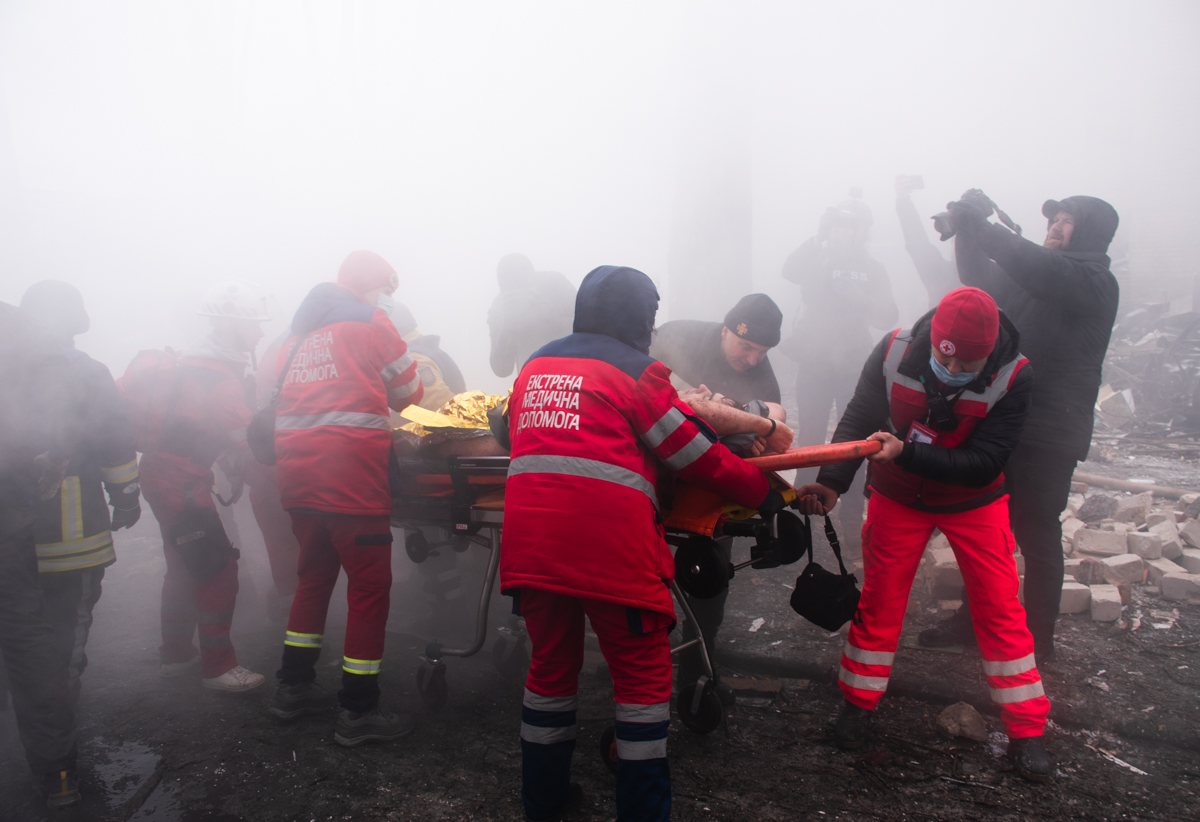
[[361, 666], [77, 554], [120, 474], [72, 509]]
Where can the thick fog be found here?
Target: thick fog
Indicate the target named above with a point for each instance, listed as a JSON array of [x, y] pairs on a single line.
[[150, 149]]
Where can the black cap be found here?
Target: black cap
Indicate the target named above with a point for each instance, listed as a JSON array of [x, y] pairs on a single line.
[[756, 319], [57, 307]]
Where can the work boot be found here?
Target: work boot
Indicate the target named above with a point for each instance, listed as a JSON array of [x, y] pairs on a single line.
[[574, 803], [1030, 757], [294, 701], [62, 788], [235, 680], [956, 630], [353, 728], [1043, 651], [852, 726], [173, 670]]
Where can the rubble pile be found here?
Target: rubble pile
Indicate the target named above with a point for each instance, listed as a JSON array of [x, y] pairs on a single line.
[[1111, 543], [1152, 377]]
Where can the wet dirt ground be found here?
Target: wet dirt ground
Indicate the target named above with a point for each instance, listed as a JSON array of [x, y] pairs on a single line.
[[1125, 732]]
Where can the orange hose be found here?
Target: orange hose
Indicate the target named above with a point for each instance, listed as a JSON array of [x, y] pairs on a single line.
[[816, 455]]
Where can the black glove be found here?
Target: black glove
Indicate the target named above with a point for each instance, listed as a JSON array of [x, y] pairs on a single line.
[[125, 517], [772, 505], [977, 198]]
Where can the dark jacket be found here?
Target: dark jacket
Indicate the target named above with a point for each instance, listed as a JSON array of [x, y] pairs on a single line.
[[41, 411], [981, 459], [526, 315], [845, 293], [938, 275], [692, 349], [72, 527], [1064, 304]]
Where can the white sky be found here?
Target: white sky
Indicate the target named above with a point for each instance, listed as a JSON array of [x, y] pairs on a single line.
[[150, 149]]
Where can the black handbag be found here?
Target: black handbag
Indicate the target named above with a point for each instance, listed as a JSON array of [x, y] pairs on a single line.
[[260, 433], [824, 598]]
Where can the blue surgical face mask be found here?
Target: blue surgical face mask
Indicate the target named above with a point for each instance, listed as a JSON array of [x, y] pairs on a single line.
[[953, 380], [385, 304]]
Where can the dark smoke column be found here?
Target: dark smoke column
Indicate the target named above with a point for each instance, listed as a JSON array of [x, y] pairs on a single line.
[[709, 258]]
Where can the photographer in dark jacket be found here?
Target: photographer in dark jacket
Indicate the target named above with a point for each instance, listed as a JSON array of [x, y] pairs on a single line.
[[1062, 298], [947, 400]]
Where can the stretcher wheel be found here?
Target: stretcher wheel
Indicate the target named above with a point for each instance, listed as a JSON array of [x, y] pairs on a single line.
[[701, 712], [460, 544], [608, 749], [510, 657], [417, 547], [701, 569], [431, 684]]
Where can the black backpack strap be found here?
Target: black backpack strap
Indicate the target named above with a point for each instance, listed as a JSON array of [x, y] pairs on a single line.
[[284, 371], [832, 536]]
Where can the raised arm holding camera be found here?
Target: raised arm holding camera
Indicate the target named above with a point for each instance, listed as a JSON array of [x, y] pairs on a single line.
[[1062, 298]]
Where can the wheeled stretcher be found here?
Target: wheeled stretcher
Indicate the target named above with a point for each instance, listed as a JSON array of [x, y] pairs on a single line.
[[465, 496]]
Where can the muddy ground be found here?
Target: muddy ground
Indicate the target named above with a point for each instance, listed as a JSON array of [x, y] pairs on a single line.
[[1125, 730]]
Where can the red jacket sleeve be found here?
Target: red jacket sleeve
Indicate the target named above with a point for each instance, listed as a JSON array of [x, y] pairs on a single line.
[[665, 425], [396, 367]]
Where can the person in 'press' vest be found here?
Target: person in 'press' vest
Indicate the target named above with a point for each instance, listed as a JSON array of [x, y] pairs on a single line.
[[73, 528], [947, 399]]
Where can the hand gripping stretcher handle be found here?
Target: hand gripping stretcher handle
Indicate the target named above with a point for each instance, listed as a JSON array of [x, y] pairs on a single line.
[[813, 455]]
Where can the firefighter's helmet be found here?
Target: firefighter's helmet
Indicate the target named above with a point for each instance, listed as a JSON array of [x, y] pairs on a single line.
[[237, 299]]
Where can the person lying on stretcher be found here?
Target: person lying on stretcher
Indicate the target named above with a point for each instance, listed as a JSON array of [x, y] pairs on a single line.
[[748, 431]]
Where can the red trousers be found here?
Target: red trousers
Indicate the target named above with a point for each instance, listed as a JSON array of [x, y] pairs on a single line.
[[363, 546], [635, 644], [283, 551], [893, 539], [189, 604]]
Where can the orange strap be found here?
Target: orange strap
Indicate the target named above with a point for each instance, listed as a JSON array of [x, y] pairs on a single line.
[[813, 455]]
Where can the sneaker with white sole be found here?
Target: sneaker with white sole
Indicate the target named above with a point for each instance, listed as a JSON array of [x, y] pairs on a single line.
[[173, 670], [235, 680]]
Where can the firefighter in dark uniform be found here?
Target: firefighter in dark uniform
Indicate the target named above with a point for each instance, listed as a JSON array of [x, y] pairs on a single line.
[[73, 527], [38, 431], [532, 308]]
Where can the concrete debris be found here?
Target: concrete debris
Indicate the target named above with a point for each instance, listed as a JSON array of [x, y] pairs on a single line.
[[1134, 509], [1125, 569], [1070, 528], [1190, 533], [947, 578], [1105, 543], [1172, 546], [1155, 517], [1097, 507], [1146, 546], [1189, 504], [1181, 587], [1091, 571], [1190, 560], [1076, 598], [1116, 409], [961, 719], [1156, 569], [1106, 603]]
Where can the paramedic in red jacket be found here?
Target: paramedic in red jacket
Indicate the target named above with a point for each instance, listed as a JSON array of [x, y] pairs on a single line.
[[199, 417], [948, 399], [593, 421], [333, 439]]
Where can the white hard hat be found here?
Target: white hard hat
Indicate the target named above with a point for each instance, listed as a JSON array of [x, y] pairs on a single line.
[[235, 298]]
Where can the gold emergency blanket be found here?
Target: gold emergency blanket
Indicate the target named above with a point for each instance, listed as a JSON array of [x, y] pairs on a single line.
[[464, 411]]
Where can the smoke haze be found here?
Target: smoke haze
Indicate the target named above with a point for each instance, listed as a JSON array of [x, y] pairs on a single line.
[[150, 149]]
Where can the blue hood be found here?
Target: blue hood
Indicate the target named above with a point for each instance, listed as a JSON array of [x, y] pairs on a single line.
[[618, 302]]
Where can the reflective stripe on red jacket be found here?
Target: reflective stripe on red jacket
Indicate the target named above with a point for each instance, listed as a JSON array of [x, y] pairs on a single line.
[[333, 433], [908, 403], [591, 421]]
